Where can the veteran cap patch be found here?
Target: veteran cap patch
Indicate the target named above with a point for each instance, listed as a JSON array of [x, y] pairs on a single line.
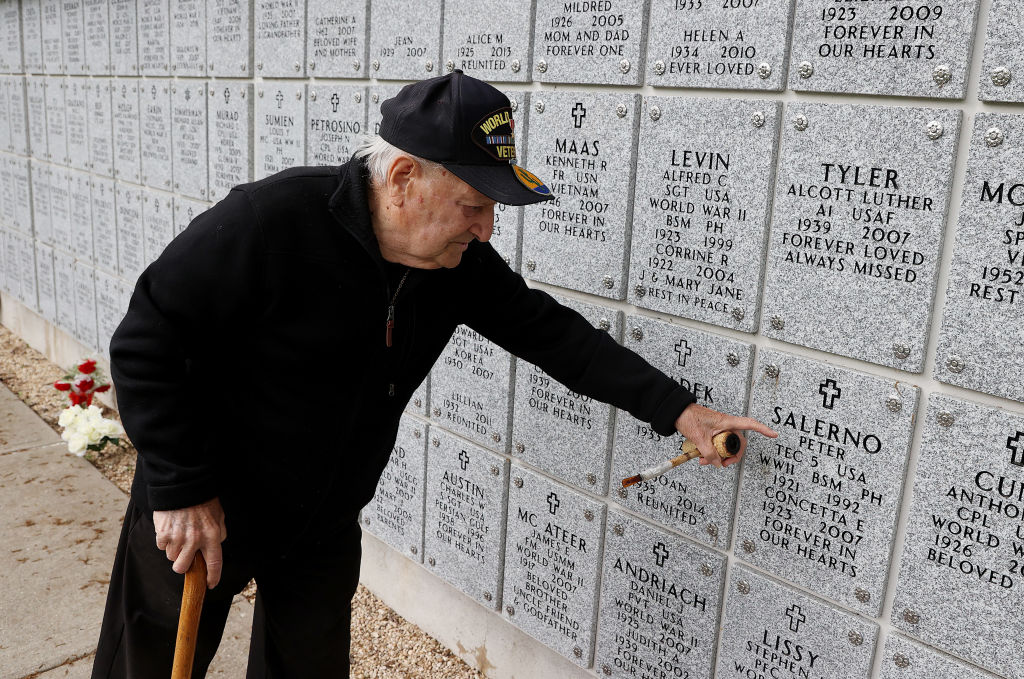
[[467, 126]]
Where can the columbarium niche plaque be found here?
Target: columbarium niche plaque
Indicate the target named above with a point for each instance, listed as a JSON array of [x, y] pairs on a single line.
[[420, 398], [5, 121], [563, 433], [85, 305], [130, 249], [589, 42], [700, 215], [579, 143], [155, 126], [280, 127], [185, 210], [157, 223], [906, 659], [980, 340], [124, 37], [493, 45], [10, 36], [27, 257], [60, 213], [45, 282], [1002, 68], [32, 36], [80, 200], [378, 94], [963, 553], [72, 23], [733, 44], [336, 122], [229, 38], [901, 49], [188, 134], [860, 204], [336, 44], [64, 278], [405, 39], [279, 28], [97, 37], [229, 137], [552, 563], [470, 389], [18, 112], [19, 194], [126, 118], [77, 117], [695, 500], [42, 223], [53, 51], [154, 37], [101, 142], [818, 504], [36, 99], [464, 526], [661, 598], [395, 514], [56, 122], [108, 316], [771, 630], [188, 37], [104, 224], [12, 264]]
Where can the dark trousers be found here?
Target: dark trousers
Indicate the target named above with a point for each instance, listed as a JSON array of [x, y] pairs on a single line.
[[301, 624]]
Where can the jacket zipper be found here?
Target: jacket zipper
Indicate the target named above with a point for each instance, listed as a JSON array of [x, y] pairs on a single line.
[[391, 310]]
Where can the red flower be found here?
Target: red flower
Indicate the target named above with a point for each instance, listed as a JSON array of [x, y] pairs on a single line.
[[83, 383], [87, 366], [62, 386], [76, 399], [102, 389]]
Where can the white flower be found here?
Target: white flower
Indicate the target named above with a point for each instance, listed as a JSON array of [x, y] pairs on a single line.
[[77, 444], [69, 415]]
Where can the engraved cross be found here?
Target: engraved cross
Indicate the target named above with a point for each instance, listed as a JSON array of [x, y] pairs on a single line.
[[553, 502], [830, 391], [683, 351], [463, 460], [227, 95], [279, 98], [335, 100], [1015, 444], [796, 616], [578, 114], [660, 553]]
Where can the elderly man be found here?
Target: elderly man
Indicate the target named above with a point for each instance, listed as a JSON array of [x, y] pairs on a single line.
[[268, 353]]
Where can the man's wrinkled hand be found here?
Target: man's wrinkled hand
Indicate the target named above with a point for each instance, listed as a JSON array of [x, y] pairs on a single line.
[[183, 532], [699, 424]]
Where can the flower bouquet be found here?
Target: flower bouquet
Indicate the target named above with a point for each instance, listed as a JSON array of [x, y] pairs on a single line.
[[85, 428]]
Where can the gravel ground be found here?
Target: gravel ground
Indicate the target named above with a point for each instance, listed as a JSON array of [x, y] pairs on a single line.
[[384, 645]]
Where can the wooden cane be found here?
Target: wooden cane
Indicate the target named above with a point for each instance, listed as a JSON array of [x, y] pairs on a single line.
[[726, 443], [188, 622]]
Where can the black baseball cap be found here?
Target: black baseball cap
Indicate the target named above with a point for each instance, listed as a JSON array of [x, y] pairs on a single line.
[[465, 125]]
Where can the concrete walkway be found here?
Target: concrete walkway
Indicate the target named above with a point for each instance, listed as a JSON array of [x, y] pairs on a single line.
[[59, 524]]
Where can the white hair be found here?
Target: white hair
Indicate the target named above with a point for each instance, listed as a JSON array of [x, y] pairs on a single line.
[[379, 155]]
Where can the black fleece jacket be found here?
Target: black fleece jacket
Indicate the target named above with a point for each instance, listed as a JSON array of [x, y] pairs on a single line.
[[252, 365]]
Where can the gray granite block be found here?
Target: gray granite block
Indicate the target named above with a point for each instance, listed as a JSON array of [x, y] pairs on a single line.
[[565, 434], [494, 45], [18, 193], [126, 116], [64, 281], [507, 236], [904, 659], [131, 258], [590, 42], [405, 39], [35, 97], [188, 138], [155, 127], [157, 223], [17, 116], [108, 316], [124, 37], [82, 241], [693, 499], [104, 224], [188, 37], [553, 548], [395, 514], [85, 305], [41, 220], [53, 40], [60, 214], [32, 36], [7, 213], [280, 127], [56, 121], [101, 129], [898, 49], [154, 23], [470, 389], [77, 114], [377, 93], [464, 521], [185, 210], [1002, 64], [73, 28], [963, 552], [229, 47], [5, 120], [701, 207], [818, 505], [12, 263], [420, 400], [337, 42], [980, 338], [279, 38], [771, 630], [335, 121], [860, 205], [229, 137], [739, 44], [45, 282], [97, 37], [10, 38], [26, 253], [581, 144], [661, 600]]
